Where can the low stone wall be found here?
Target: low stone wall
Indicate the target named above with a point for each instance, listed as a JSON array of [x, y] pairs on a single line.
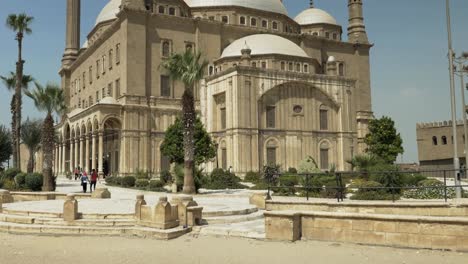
[[398, 208], [100, 193], [447, 233]]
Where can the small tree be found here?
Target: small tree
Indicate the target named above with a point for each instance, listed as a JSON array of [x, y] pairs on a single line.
[[383, 141], [173, 145], [31, 137], [5, 144]]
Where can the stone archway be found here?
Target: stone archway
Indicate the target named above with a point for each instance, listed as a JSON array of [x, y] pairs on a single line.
[[111, 143]]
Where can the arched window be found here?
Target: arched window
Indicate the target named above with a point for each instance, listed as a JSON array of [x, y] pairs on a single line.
[[111, 53], [253, 22], [271, 152], [264, 24], [172, 11], [161, 10], [264, 64], [291, 66], [275, 25], [166, 49], [298, 67], [225, 19], [254, 64], [434, 141], [283, 66], [341, 69], [324, 156], [242, 20], [444, 140], [306, 68]]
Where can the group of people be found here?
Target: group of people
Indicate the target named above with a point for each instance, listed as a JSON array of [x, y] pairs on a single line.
[[85, 179]]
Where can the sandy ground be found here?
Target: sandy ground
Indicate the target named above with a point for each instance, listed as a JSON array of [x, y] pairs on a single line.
[[16, 249]]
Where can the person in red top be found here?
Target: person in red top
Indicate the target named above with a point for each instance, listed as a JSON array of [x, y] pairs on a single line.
[[94, 178]]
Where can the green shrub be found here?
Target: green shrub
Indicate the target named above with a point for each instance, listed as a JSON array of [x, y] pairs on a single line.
[[220, 179], [141, 183], [370, 190], [271, 174], [111, 180], [292, 170], [11, 173], [9, 185], [253, 177], [140, 174], [286, 184], [128, 181], [430, 193], [34, 181], [330, 190], [410, 180], [20, 179], [118, 180], [166, 176], [156, 185], [262, 185]]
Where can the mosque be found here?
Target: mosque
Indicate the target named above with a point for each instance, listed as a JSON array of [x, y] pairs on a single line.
[[276, 90]]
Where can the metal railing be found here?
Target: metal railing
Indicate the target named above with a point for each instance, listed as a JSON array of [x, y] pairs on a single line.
[[392, 189]]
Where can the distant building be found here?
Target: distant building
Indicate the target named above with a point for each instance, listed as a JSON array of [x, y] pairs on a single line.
[[435, 145]]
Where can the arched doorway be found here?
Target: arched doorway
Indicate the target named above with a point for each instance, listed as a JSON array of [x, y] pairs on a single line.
[[111, 139]]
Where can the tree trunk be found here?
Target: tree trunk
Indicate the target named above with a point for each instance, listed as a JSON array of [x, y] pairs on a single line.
[[31, 161], [13, 129], [19, 83], [48, 133], [188, 109]]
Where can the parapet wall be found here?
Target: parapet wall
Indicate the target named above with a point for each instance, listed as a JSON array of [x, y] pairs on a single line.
[[446, 233], [408, 208]]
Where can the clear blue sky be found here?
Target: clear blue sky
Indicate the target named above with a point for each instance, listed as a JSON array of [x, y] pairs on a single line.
[[409, 62]]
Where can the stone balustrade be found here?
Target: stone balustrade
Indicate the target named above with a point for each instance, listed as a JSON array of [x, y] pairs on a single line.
[[189, 213]]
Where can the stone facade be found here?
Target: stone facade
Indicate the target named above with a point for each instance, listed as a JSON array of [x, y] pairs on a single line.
[[261, 104], [435, 145]]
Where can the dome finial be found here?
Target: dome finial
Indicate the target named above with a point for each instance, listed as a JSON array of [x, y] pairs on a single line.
[[311, 3]]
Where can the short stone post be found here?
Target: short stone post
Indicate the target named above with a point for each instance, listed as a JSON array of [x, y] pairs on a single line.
[[5, 196], [259, 200], [70, 208], [101, 193], [139, 203], [283, 225], [187, 217]]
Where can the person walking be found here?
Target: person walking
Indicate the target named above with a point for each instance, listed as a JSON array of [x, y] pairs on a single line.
[[94, 178], [77, 173], [84, 181]]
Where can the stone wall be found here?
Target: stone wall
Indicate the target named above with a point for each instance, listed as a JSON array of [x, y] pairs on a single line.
[[447, 233]]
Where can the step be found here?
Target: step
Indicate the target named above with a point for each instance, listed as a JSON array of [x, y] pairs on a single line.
[[252, 229], [60, 215], [93, 231], [245, 211], [18, 219], [233, 218]]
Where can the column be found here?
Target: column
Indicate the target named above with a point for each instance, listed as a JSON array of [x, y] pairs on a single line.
[[81, 152], [55, 159], [101, 153], [77, 142], [64, 158], [59, 165], [93, 152], [87, 165], [72, 160]]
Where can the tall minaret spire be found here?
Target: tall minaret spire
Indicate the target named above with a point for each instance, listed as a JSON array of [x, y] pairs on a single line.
[[72, 45], [356, 28]]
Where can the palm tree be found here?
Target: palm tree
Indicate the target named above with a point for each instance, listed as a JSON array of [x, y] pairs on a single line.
[[31, 137], [188, 68], [363, 163], [49, 99], [10, 84], [20, 24]]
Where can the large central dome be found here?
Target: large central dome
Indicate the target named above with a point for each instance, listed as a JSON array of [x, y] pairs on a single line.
[[275, 6], [112, 8]]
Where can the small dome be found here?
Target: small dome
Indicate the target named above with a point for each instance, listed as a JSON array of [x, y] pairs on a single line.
[[315, 16], [275, 6], [262, 44], [108, 100], [331, 59], [109, 11]]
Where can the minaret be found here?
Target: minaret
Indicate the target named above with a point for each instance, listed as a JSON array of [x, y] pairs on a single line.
[[356, 28], [72, 45]]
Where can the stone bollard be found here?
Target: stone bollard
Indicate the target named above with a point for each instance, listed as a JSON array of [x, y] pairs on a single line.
[[101, 193], [70, 208], [5, 196], [259, 200], [139, 203]]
